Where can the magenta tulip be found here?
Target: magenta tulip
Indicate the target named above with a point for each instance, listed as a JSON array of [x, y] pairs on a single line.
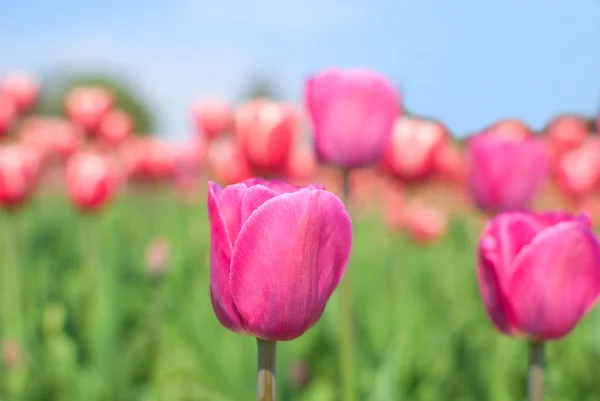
[[277, 254], [353, 114], [538, 274], [505, 174]]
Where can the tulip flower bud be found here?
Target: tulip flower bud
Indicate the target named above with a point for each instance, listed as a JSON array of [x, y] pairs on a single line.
[[353, 114], [19, 169], [87, 106], [538, 274], [91, 180], [277, 253]]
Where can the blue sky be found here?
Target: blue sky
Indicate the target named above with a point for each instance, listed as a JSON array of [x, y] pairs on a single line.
[[467, 62]]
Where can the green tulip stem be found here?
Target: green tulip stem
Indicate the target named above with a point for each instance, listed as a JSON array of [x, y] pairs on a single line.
[[346, 354], [12, 324], [535, 374], [266, 369]]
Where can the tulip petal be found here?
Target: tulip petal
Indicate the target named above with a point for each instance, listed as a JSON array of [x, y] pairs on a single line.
[[290, 256], [513, 231], [492, 281], [556, 280], [254, 197], [221, 250], [230, 202]]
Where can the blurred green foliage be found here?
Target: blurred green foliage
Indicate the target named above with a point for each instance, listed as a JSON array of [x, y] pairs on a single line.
[[99, 327], [125, 95]]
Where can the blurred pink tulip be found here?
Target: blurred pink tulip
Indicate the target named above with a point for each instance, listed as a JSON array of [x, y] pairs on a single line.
[[157, 256], [353, 114], [423, 223], [266, 131], [8, 113], [227, 161], [51, 137], [87, 106], [578, 170], [412, 150], [510, 128], [566, 132], [22, 89], [212, 117], [19, 170], [92, 180], [160, 159], [189, 158], [505, 174], [538, 274], [115, 127], [450, 163], [277, 254], [302, 164]]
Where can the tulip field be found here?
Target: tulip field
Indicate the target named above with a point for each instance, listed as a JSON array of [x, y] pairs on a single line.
[[345, 252]]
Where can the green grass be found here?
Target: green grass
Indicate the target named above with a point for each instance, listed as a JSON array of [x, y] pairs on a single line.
[[96, 326]]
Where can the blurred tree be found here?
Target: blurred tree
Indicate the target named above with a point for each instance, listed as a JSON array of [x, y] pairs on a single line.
[[56, 87], [261, 86]]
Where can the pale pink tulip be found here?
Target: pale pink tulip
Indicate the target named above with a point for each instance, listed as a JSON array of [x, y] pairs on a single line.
[[51, 137], [538, 274], [424, 223], [19, 170], [510, 128], [87, 106], [227, 161], [92, 180], [566, 132], [277, 253], [413, 147], [505, 174], [22, 89], [353, 114], [212, 117], [115, 127], [266, 131], [578, 170], [160, 159]]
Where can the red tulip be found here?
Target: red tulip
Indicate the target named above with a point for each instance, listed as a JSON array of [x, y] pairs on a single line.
[[51, 137], [115, 127], [413, 148], [227, 161], [353, 114], [19, 169], [510, 129], [92, 180], [424, 223], [566, 132], [22, 89], [578, 170], [212, 117], [87, 106], [8, 113], [277, 253], [266, 131], [538, 274], [505, 174]]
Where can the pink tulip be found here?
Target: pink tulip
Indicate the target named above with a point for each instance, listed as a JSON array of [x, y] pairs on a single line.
[[51, 137], [160, 159], [353, 114], [212, 117], [413, 148], [505, 174], [227, 161], [22, 89], [8, 113], [578, 170], [92, 180], [510, 129], [87, 106], [450, 163], [277, 253], [538, 274], [266, 131], [566, 132], [423, 223], [19, 170], [115, 127]]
